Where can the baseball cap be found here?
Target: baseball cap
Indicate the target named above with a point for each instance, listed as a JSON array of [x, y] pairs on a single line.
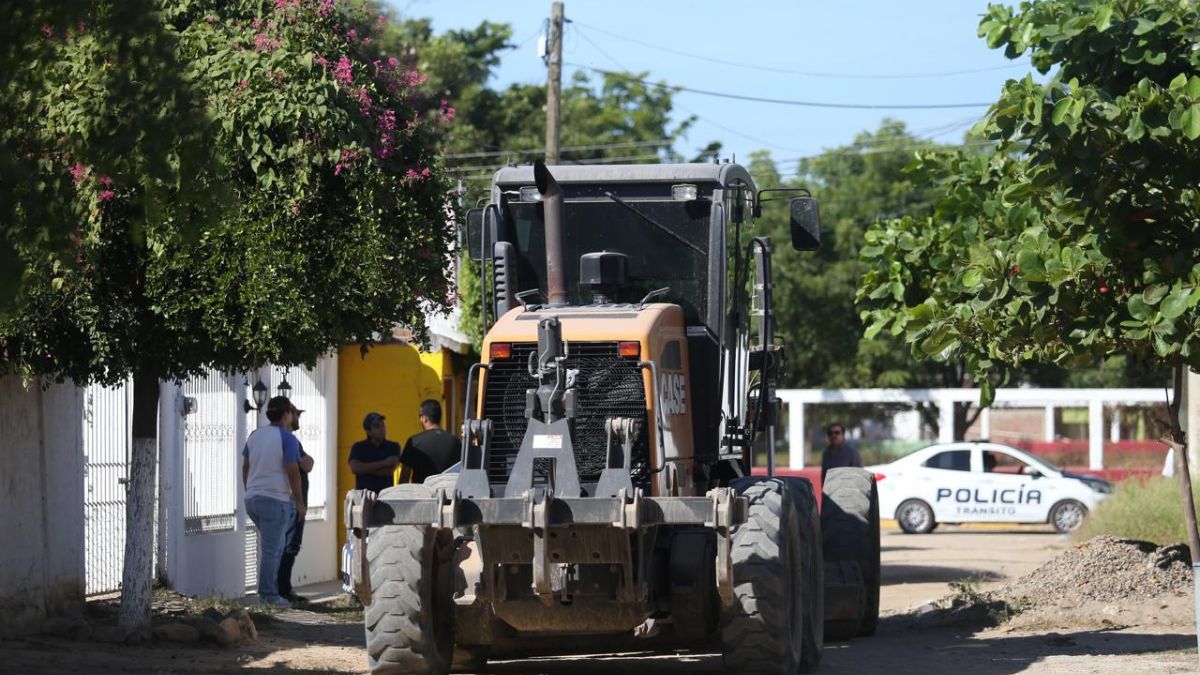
[[277, 406], [370, 420]]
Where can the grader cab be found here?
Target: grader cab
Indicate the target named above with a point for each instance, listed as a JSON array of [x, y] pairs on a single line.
[[605, 499]]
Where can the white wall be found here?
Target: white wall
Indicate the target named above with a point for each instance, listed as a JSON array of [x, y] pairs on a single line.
[[41, 499]]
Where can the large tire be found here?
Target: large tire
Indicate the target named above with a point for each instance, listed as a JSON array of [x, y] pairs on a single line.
[[813, 572], [1068, 515], [762, 633], [408, 623], [850, 532]]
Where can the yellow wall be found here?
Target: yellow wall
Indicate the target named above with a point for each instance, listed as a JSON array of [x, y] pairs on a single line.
[[392, 380]]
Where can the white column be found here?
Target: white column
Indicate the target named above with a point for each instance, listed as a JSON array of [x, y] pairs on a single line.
[[1190, 411], [1114, 429], [945, 419], [1095, 434], [985, 423], [797, 435], [1048, 424]]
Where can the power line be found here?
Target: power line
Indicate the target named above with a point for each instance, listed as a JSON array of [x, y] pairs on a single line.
[[780, 101], [803, 73], [571, 148]]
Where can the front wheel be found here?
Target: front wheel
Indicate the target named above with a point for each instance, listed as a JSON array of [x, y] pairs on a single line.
[[915, 517], [407, 622], [1067, 515]]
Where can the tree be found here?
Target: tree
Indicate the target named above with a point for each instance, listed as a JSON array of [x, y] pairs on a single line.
[[131, 113], [336, 229], [1079, 238]]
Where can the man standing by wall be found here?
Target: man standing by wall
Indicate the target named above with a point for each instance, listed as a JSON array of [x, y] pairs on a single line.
[[431, 451], [274, 500], [374, 460], [838, 453], [295, 536]]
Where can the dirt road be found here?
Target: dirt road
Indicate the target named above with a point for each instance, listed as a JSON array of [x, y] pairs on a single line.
[[1135, 637]]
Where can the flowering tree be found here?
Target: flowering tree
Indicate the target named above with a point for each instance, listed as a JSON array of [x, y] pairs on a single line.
[[323, 219], [1080, 237]]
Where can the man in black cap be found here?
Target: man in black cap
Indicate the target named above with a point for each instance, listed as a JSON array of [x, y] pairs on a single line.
[[430, 452], [373, 460]]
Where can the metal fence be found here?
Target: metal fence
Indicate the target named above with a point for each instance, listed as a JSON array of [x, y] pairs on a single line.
[[107, 413], [210, 454]]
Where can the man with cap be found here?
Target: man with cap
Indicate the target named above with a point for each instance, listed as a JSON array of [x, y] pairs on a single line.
[[374, 460], [295, 536], [274, 500]]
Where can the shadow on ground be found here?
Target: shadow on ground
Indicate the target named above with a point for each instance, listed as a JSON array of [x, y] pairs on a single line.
[[918, 574]]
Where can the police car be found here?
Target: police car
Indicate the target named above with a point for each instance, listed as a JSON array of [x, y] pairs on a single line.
[[982, 482]]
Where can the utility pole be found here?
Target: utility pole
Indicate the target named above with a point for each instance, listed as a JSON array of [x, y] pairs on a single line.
[[554, 83]]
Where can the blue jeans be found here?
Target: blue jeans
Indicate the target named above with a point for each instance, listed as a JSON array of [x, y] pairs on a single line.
[[272, 517]]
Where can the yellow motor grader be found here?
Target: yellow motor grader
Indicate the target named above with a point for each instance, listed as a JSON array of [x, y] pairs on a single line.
[[605, 499]]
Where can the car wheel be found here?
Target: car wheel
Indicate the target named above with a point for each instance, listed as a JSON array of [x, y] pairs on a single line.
[[1067, 515], [915, 517]]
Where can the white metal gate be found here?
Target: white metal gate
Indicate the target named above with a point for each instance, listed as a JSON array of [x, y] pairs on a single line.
[[210, 455], [107, 414]]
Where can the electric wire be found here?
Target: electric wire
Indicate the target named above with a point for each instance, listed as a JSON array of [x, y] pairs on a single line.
[[782, 101], [803, 73]]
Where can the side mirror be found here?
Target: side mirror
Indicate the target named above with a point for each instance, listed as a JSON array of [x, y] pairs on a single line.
[[475, 234], [805, 224], [483, 227]]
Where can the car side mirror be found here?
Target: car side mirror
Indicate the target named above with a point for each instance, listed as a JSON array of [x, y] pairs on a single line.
[[483, 226], [805, 224]]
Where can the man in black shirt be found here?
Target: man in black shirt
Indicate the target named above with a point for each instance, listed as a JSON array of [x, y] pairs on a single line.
[[295, 536], [373, 461], [430, 452]]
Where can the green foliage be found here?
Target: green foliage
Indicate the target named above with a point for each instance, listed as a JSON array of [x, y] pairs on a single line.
[[335, 228], [1076, 239], [1146, 511]]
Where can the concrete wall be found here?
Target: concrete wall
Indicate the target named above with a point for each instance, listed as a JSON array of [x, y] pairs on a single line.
[[41, 499]]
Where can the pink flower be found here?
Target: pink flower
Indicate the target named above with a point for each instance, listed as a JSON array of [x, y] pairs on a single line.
[[211, 18], [105, 180], [447, 111], [257, 23], [78, 172], [342, 71], [295, 208], [325, 7], [107, 195], [321, 61], [366, 41], [381, 19], [81, 26], [47, 30], [352, 34], [393, 62], [263, 43], [387, 121], [413, 78], [242, 85]]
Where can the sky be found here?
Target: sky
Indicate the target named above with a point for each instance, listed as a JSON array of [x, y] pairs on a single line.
[[846, 52]]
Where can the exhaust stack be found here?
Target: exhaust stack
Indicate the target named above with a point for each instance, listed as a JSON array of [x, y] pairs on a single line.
[[552, 202]]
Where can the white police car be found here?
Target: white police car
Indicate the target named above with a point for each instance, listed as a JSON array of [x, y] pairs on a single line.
[[982, 482]]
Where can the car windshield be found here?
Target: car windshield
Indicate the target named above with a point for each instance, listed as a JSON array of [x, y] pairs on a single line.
[[656, 258]]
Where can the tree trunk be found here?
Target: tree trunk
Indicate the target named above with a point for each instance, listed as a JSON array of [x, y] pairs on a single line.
[[138, 573], [1178, 442]]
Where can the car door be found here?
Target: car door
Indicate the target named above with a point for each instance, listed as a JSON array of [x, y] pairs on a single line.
[[1011, 490], [946, 478]]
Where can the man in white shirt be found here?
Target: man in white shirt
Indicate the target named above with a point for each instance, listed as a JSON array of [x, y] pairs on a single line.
[[271, 479]]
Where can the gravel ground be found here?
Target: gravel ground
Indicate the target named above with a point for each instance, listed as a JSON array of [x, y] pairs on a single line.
[[1103, 569]]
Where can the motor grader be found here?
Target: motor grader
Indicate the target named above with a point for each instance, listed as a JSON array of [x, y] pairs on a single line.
[[605, 500]]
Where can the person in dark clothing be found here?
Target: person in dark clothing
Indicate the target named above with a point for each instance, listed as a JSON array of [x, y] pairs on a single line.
[[374, 460], [430, 452], [295, 536], [837, 453]]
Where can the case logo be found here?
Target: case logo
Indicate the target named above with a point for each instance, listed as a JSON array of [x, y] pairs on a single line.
[[672, 389]]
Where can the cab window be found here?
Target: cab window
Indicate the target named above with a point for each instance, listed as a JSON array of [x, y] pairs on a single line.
[[1000, 462], [952, 460]]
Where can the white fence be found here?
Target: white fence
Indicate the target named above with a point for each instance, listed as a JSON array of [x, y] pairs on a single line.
[[208, 546], [1095, 400], [107, 414]]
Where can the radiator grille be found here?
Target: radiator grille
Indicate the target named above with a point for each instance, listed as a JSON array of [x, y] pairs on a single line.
[[606, 386]]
